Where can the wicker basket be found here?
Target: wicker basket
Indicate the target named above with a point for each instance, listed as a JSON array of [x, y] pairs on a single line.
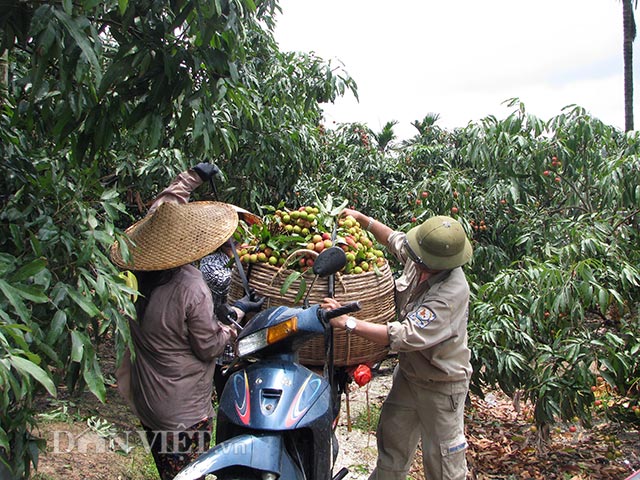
[[374, 291]]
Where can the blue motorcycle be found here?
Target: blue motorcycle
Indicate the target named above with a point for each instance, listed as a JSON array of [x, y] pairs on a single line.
[[277, 418]]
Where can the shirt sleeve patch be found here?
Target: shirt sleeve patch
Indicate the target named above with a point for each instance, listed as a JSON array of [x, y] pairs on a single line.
[[422, 317]]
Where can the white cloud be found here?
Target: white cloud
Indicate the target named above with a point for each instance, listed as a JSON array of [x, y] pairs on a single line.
[[463, 59]]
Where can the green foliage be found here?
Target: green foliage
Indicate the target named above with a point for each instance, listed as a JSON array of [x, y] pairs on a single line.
[[351, 168], [556, 267], [281, 140], [59, 293], [367, 419], [565, 239]]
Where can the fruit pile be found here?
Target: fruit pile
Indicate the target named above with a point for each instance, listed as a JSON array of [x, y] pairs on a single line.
[[292, 239]]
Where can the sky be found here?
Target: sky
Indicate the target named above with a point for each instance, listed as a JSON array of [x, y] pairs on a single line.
[[464, 59]]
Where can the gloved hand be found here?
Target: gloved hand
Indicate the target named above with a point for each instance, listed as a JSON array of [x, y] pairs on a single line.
[[251, 302], [206, 170], [224, 314]]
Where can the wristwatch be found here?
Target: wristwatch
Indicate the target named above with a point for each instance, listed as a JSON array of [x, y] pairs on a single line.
[[350, 324]]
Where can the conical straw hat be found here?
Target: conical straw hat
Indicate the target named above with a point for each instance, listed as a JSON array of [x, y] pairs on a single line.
[[176, 234]]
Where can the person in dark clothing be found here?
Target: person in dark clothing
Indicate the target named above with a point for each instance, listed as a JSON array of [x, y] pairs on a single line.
[[216, 270]]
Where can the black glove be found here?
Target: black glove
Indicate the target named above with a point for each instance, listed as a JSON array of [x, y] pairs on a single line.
[[224, 314], [206, 170], [250, 302]]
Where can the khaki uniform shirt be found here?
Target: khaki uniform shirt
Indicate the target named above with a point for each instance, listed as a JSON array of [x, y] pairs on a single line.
[[430, 335]]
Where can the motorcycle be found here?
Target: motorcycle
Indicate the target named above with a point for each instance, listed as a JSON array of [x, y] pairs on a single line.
[[277, 418]]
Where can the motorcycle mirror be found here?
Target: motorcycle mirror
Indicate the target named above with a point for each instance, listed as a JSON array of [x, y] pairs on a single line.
[[331, 260]]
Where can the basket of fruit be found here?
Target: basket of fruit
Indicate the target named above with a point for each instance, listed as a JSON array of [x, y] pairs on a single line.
[[278, 254]]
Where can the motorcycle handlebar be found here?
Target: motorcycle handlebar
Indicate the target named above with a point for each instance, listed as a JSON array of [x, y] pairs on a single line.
[[344, 309]]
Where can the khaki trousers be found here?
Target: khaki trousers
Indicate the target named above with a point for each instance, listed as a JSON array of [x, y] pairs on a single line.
[[433, 414]]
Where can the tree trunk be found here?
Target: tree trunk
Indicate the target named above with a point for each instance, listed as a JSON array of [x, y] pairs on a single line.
[[629, 34]]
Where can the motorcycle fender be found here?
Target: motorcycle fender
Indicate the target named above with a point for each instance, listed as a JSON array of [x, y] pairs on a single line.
[[259, 452]]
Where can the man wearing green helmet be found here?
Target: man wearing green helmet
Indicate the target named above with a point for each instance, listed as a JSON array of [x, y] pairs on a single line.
[[431, 379]]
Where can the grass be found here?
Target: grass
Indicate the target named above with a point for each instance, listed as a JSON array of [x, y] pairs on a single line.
[[367, 419], [142, 465], [360, 469]]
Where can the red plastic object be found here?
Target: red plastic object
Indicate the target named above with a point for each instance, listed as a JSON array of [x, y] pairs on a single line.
[[361, 375]]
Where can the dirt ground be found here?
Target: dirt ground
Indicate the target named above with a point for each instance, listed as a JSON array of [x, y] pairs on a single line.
[[90, 440]]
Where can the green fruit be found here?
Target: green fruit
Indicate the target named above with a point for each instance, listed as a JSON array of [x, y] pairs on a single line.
[[273, 260]]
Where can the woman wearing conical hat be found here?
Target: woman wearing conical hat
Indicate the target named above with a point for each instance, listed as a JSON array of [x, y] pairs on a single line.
[[176, 334]]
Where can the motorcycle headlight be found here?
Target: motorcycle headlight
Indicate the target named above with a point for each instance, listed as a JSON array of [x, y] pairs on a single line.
[[267, 336]]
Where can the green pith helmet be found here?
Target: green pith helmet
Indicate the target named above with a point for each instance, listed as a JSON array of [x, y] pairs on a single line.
[[440, 243]]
